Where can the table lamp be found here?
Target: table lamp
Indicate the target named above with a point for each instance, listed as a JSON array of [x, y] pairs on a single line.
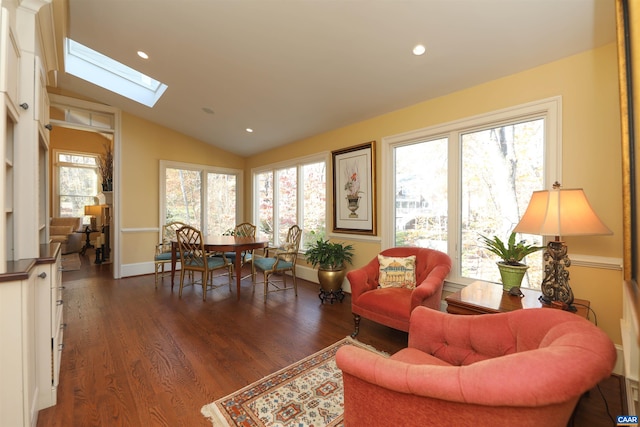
[[93, 211], [559, 212]]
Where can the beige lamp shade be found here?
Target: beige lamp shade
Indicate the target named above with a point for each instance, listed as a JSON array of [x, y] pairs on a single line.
[[561, 212], [93, 210]]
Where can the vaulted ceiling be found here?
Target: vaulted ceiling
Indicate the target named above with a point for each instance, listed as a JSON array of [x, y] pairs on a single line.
[[290, 69]]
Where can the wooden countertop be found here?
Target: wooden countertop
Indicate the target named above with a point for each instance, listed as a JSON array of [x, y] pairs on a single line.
[[20, 269]]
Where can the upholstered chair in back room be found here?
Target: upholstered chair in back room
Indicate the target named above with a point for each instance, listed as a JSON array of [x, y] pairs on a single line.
[[395, 282], [68, 232]]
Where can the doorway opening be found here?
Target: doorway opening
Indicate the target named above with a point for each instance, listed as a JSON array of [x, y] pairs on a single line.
[[101, 123]]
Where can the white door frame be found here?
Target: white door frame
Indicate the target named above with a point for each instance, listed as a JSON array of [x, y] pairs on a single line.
[[102, 109]]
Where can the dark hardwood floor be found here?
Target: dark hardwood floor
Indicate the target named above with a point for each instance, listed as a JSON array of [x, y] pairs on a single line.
[[136, 356]]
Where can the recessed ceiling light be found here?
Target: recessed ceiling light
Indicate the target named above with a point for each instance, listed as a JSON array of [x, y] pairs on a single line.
[[419, 50], [143, 55], [249, 130]]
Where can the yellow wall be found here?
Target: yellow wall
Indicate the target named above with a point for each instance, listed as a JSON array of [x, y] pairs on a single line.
[[591, 153], [144, 144], [591, 159]]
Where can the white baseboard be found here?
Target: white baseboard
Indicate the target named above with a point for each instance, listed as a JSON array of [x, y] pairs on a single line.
[[141, 268], [307, 273], [618, 369], [311, 275], [632, 397], [137, 269]]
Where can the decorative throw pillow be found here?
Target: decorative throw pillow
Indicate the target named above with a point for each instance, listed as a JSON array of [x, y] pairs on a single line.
[[397, 272], [287, 247]]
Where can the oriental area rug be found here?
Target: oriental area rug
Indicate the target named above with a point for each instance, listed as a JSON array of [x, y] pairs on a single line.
[[307, 393]]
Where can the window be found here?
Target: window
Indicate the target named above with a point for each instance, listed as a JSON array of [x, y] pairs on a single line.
[[501, 167], [202, 196], [453, 182], [421, 200], [294, 193], [77, 177], [94, 67]]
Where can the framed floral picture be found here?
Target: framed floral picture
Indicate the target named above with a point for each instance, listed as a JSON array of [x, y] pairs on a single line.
[[354, 207]]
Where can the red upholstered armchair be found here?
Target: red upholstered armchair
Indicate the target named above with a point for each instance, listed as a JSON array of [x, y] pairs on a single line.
[[521, 368], [393, 306]]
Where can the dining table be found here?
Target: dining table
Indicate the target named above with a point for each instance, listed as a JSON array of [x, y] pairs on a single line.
[[224, 244]]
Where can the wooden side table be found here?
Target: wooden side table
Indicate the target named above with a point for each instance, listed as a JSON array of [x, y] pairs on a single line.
[[485, 297], [87, 231]]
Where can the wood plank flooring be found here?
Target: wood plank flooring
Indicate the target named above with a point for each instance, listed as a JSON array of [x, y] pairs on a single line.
[[136, 356]]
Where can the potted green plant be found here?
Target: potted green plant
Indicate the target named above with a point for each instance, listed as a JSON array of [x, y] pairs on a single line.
[[331, 259], [512, 270]]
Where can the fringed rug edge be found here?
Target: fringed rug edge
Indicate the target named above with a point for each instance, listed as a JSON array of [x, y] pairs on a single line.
[[219, 419]]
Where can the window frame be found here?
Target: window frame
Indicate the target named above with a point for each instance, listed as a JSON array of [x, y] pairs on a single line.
[[550, 109], [298, 163], [56, 175], [203, 170]]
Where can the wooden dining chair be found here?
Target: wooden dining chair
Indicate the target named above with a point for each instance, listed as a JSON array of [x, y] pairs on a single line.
[[282, 261], [245, 229], [194, 258], [163, 249]]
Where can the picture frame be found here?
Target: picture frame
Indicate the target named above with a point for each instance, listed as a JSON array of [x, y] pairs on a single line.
[[354, 189], [628, 38]]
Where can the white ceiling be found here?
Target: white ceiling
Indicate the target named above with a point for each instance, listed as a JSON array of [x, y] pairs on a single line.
[[291, 69]]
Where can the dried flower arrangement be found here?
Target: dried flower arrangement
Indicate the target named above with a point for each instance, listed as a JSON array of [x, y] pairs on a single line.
[[105, 166]]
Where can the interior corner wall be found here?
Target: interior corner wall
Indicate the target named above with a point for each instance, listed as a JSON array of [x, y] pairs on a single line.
[[587, 83], [591, 141], [143, 145]]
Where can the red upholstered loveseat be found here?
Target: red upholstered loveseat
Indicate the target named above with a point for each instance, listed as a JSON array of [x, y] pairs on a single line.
[[393, 306], [522, 368]]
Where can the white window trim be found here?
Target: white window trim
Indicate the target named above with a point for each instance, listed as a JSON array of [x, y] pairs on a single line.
[[56, 174], [101, 70], [549, 108], [296, 162], [164, 164]]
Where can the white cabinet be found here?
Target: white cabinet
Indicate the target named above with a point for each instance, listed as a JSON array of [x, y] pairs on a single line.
[[10, 61], [30, 311], [42, 103], [18, 390], [49, 326], [31, 332], [9, 74]]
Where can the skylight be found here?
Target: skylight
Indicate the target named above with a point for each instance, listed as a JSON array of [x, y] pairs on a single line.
[[105, 72]]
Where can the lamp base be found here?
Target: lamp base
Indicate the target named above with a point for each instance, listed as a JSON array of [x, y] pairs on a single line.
[[555, 285], [557, 304]]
